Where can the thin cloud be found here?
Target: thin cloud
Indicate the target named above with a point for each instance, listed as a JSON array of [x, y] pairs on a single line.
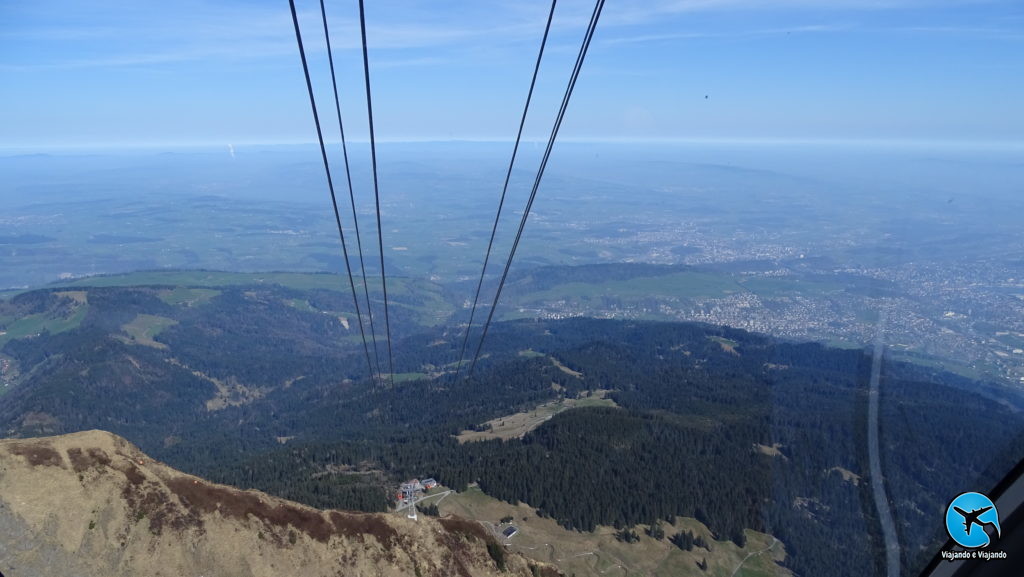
[[645, 11], [222, 33], [106, 35], [195, 54], [993, 33], [409, 62], [765, 32]]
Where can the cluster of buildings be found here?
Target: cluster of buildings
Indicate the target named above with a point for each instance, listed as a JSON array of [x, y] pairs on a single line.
[[410, 490]]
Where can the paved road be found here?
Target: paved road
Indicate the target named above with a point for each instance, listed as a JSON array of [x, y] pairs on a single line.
[[404, 506]]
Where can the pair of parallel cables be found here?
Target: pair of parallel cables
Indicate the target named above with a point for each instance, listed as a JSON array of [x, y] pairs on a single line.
[[348, 175], [584, 47]]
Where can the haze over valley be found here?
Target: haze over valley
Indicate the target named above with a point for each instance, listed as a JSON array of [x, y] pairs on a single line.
[[284, 290], [661, 305], [796, 240]]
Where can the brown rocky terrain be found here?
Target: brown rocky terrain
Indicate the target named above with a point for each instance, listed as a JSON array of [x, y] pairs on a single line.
[[92, 504]]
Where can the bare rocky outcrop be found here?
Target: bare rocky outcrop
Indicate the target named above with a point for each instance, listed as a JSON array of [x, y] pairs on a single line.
[[91, 504]]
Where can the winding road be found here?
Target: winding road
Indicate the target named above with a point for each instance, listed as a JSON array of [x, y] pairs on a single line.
[[751, 554], [403, 506]]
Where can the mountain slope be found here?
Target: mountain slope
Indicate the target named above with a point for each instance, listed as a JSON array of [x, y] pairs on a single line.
[[92, 504], [258, 386]]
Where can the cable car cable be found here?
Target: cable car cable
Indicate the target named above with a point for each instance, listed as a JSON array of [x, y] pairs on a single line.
[[351, 195], [504, 189], [330, 182], [376, 188], [599, 5]]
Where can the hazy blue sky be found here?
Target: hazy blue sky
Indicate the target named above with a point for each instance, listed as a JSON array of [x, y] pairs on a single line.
[[81, 72]]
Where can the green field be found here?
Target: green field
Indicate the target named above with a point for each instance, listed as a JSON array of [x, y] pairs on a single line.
[[841, 344], [397, 286], [34, 324], [724, 341], [300, 304], [143, 328], [187, 278], [682, 285], [937, 363], [1010, 339], [187, 296], [518, 424], [195, 287], [406, 377], [600, 553], [786, 286], [8, 293]]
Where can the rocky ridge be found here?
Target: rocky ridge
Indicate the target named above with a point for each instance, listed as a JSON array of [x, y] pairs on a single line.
[[92, 504]]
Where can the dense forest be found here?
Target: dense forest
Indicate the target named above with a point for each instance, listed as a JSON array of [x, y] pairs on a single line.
[[735, 429]]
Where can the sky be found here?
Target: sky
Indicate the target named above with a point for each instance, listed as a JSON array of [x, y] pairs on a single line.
[[85, 73]]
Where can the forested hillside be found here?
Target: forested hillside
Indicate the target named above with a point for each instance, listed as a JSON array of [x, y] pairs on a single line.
[[262, 386]]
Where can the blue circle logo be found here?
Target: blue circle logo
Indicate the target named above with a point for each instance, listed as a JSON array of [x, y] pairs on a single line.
[[967, 518]]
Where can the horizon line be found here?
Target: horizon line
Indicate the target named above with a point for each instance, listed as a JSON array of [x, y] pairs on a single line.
[[9, 150]]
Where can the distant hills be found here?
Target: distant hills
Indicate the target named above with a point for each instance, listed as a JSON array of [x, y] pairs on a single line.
[[255, 381]]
